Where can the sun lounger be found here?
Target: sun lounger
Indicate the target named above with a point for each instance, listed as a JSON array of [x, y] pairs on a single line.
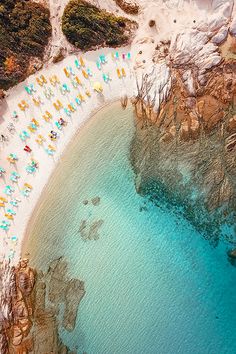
[[123, 72], [67, 112], [77, 64], [28, 90], [66, 72], [22, 108], [2, 171], [49, 152], [118, 73], [103, 59], [78, 81], [81, 61], [89, 72], [98, 65], [51, 147], [58, 125], [81, 97], [85, 75], [25, 104], [77, 100], [66, 88], [42, 77]]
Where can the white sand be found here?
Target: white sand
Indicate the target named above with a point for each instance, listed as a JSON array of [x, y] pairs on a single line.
[[111, 91]]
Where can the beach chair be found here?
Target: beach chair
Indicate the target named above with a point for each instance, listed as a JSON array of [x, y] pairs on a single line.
[[15, 115], [106, 77], [59, 104], [14, 202], [56, 106], [22, 108], [77, 100], [62, 91], [98, 65], [51, 147], [123, 72], [25, 104], [46, 118], [71, 108], [81, 97], [36, 102], [33, 120], [50, 91], [46, 94], [66, 72], [28, 90], [3, 200], [32, 87], [40, 82], [117, 55], [5, 224], [103, 59], [31, 129], [58, 125], [9, 216], [78, 81], [81, 60], [44, 80], [77, 64], [74, 83], [88, 93], [66, 88], [48, 114], [8, 190], [128, 56], [2, 171], [89, 72], [118, 73], [85, 75], [71, 71], [67, 112]]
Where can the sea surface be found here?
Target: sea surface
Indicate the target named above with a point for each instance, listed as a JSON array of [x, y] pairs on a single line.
[[153, 284]]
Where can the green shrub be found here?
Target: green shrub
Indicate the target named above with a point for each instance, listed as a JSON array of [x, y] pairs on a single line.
[[24, 32], [87, 27]]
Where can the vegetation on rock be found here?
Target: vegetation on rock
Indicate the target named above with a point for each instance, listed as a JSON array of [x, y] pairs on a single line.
[[86, 26], [24, 32]]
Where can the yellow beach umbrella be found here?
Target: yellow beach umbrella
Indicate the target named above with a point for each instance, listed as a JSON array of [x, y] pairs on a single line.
[[97, 86]]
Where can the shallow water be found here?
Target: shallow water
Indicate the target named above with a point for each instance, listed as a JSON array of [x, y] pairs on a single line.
[[153, 284]]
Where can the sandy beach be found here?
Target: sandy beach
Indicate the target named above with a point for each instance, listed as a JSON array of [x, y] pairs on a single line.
[[11, 240]]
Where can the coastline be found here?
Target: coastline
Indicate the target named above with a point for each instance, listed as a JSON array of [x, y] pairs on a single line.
[[112, 91]]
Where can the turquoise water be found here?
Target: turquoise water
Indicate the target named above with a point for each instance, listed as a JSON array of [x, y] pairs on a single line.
[[153, 284]]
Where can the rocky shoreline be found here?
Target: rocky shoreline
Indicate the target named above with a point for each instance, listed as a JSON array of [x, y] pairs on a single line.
[[31, 302], [186, 148]]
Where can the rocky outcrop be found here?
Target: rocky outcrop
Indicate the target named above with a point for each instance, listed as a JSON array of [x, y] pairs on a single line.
[[186, 149], [30, 304], [128, 6]]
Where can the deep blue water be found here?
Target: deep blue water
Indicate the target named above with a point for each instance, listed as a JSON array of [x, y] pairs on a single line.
[[153, 284]]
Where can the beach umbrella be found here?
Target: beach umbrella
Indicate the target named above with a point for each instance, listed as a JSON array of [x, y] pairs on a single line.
[[97, 86]]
